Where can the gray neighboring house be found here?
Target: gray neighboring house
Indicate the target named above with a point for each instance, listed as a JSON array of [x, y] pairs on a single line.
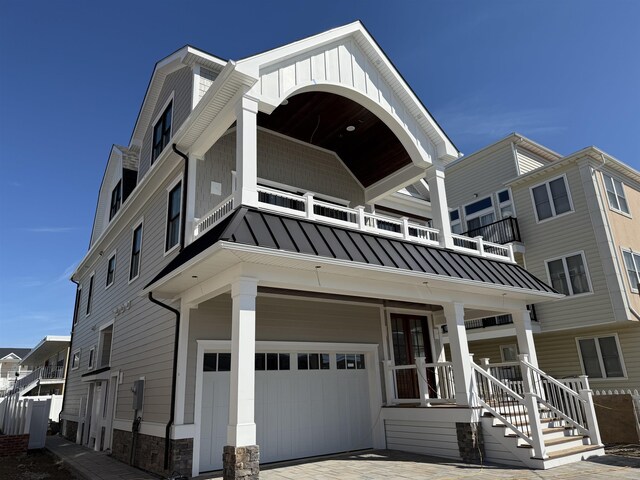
[[268, 274]]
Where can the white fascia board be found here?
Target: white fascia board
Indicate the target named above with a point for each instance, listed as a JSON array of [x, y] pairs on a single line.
[[407, 175]]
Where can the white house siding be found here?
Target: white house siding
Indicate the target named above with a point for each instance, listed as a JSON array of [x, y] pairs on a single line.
[[207, 77], [528, 161], [282, 319], [567, 234], [180, 83], [483, 174], [281, 160], [143, 333]]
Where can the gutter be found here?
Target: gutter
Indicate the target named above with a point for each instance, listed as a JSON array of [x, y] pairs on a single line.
[[173, 378]]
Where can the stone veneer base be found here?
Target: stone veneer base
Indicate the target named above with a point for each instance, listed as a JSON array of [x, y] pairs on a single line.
[[470, 442], [241, 463]]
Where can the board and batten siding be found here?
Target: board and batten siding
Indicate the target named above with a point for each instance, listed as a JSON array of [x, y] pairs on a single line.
[[560, 236], [180, 83], [143, 332], [483, 174], [281, 160], [282, 320]]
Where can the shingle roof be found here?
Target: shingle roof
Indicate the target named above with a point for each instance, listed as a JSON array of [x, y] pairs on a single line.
[[279, 232], [20, 352]]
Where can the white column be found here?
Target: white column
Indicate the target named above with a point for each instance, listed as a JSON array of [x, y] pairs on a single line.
[[247, 152], [522, 323], [190, 210], [241, 431], [181, 366], [439, 205], [462, 374]]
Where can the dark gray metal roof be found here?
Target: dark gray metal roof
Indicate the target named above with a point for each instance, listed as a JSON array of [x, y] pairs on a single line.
[[279, 232]]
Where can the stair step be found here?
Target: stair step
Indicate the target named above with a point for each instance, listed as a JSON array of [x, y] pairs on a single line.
[[559, 441], [572, 451]]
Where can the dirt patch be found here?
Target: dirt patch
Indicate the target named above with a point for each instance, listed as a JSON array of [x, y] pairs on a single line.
[[624, 450], [36, 465]]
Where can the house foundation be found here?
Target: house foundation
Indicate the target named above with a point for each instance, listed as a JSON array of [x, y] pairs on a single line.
[[241, 463], [470, 442]]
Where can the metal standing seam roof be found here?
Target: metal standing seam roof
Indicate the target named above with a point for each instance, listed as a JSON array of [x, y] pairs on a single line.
[[248, 226]]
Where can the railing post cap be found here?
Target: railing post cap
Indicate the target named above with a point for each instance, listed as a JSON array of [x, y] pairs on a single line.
[[524, 357]]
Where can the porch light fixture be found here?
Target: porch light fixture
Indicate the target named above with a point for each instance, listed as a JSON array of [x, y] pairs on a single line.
[[350, 128]]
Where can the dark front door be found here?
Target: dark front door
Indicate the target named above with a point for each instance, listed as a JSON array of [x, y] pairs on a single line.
[[410, 337]]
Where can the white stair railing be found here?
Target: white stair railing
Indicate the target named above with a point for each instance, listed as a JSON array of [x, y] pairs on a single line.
[[434, 382]]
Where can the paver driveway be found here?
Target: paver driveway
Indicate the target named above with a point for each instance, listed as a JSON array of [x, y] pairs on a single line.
[[386, 464]]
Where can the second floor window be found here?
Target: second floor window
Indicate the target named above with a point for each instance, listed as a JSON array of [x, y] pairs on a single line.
[[76, 309], [111, 270], [162, 132], [104, 351], [632, 265], [136, 249], [173, 217], [89, 295], [601, 357], [551, 199], [615, 194], [568, 274], [116, 200], [480, 213], [456, 224]]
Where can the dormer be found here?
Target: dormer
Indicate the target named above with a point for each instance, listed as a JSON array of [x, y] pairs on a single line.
[[119, 180]]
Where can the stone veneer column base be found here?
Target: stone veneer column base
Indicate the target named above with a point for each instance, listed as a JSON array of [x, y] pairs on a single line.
[[470, 442], [241, 463]]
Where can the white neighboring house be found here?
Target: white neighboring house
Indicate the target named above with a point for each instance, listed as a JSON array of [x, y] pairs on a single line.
[[10, 365], [47, 364], [258, 283]]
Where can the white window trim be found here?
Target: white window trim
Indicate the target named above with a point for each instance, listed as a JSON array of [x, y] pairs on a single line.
[[500, 204], [152, 160], [115, 267], [479, 213], [73, 354], [113, 331], [566, 271], [170, 187], [139, 223], [553, 207], [91, 366], [89, 306], [602, 369], [624, 266], [611, 207]]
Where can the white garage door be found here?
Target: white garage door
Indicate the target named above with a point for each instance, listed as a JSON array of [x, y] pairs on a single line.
[[307, 403]]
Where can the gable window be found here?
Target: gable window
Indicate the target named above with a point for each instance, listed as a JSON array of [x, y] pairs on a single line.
[[116, 200], [456, 224], [615, 194], [136, 249], [551, 198], [111, 270], [162, 132], [75, 360], [601, 357], [89, 295], [569, 274], [480, 213], [104, 348], [632, 265], [173, 217]]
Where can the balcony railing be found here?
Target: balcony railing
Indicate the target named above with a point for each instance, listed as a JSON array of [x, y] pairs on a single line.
[[306, 206], [501, 232], [487, 322], [41, 373], [421, 382]]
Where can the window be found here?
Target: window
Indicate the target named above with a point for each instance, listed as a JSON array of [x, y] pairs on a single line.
[[136, 248], [456, 224], [104, 351], [111, 270], [350, 361], [509, 353], [551, 199], [92, 353], [76, 308], [90, 295], [272, 361], [216, 362], [569, 274], [116, 200], [632, 264], [75, 360], [615, 194], [162, 132], [480, 213], [600, 357], [505, 205], [173, 217], [313, 361]]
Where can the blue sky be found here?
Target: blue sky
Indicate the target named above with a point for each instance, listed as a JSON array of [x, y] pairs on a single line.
[[565, 73]]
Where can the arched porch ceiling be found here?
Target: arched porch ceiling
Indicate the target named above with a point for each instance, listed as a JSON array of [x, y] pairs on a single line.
[[370, 150]]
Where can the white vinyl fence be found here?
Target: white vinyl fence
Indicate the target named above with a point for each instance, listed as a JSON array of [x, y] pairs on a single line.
[[21, 415]]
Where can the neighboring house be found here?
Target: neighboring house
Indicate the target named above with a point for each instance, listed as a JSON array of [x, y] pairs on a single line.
[[575, 222], [9, 366], [271, 285], [47, 364]]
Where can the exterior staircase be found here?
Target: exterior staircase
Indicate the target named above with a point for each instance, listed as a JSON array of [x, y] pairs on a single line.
[[541, 422]]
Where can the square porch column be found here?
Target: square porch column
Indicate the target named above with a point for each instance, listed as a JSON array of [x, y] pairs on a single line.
[[439, 205], [462, 373], [241, 454], [524, 334], [247, 152]]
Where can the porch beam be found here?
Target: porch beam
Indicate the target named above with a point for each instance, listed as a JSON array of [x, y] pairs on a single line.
[[462, 374], [241, 430], [247, 151], [439, 205]]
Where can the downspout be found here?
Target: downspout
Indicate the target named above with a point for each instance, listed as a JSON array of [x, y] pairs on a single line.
[[185, 178], [173, 378]]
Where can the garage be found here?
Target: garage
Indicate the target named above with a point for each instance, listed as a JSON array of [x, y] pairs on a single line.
[[311, 399]]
